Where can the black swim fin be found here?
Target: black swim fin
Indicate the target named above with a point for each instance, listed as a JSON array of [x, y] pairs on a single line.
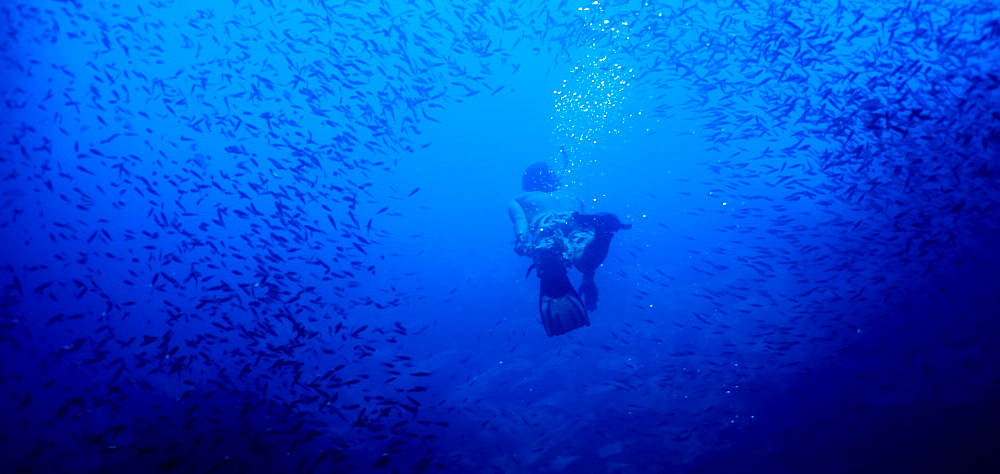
[[558, 303]]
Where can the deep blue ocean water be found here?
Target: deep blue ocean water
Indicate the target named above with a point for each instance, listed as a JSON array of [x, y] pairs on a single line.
[[272, 236]]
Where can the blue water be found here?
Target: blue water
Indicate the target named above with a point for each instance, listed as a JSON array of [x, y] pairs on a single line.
[[267, 236]]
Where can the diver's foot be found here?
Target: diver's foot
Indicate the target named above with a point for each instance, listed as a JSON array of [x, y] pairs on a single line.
[[589, 292]]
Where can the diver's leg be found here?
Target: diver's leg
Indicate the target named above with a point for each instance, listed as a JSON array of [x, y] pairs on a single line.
[[588, 290], [595, 236], [554, 280], [586, 258]]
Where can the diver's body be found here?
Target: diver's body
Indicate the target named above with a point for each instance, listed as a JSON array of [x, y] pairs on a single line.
[[530, 208], [550, 226]]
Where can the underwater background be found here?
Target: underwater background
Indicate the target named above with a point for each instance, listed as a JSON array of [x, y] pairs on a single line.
[[271, 236]]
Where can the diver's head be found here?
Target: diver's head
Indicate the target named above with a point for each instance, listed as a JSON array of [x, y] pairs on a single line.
[[539, 177]]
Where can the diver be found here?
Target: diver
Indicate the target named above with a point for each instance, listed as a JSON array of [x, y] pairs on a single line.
[[551, 227]]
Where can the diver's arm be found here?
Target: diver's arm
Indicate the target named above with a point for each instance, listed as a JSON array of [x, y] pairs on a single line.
[[520, 221]]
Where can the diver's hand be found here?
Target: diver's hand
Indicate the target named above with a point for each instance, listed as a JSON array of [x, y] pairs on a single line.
[[521, 247]]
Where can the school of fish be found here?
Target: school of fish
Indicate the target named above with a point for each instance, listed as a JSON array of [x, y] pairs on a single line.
[[198, 183]]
